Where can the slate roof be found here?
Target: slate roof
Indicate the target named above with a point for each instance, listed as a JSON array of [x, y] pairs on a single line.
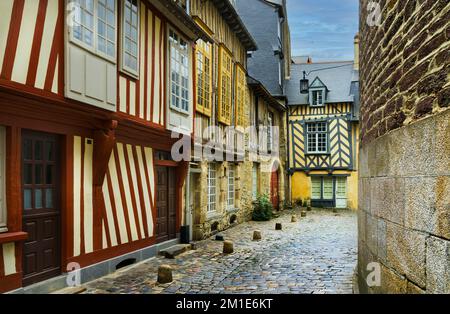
[[338, 80]]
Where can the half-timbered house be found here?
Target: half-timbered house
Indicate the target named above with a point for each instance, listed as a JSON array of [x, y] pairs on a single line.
[[216, 187], [90, 91], [324, 133]]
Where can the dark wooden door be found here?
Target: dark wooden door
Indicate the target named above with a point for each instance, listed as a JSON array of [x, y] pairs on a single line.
[[41, 206], [166, 219], [274, 193]]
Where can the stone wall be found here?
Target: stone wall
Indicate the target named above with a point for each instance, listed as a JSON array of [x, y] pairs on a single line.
[[404, 199]]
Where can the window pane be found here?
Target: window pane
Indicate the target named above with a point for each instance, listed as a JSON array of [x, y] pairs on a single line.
[[88, 36], [49, 175], [27, 199], [49, 198], [28, 149], [110, 18], [111, 4], [37, 199], [111, 34], [38, 150], [102, 12], [316, 188], [110, 49], [101, 28], [38, 179], [49, 151], [28, 174], [328, 188]]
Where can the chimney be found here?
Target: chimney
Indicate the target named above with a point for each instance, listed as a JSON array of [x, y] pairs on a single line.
[[356, 62]]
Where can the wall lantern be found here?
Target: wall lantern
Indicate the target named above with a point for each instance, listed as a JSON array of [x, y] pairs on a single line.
[[304, 84]]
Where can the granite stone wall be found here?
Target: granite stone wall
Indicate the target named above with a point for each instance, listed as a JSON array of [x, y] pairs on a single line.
[[404, 184]]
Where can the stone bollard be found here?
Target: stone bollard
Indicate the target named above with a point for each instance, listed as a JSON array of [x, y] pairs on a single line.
[[309, 208], [278, 226], [228, 247], [303, 214], [294, 218], [165, 274], [257, 235]]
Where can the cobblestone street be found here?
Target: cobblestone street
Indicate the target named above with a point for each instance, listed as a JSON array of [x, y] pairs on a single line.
[[315, 255]]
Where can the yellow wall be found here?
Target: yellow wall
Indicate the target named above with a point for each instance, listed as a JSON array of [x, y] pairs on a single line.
[[352, 190], [301, 186]]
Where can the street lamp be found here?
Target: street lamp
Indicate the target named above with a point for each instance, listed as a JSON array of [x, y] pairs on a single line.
[[304, 84]]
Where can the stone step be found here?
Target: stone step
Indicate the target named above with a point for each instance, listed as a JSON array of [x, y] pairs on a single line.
[[175, 250], [71, 290]]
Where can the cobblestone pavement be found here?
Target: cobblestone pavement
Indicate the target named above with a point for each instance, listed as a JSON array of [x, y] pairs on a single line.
[[315, 255]]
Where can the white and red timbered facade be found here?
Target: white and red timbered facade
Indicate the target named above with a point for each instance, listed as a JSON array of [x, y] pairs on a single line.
[[89, 93]]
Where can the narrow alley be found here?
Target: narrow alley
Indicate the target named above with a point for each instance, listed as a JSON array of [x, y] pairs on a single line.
[[316, 255]]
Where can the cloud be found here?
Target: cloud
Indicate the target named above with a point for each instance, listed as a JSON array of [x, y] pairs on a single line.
[[323, 29]]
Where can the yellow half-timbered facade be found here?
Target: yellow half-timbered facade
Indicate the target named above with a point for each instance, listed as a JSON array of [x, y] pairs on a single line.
[[323, 134]]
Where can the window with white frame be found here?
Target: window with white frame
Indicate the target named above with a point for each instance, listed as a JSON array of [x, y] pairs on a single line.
[[212, 187], [94, 26], [2, 179], [317, 98], [130, 37], [179, 72], [317, 138], [231, 187], [255, 182]]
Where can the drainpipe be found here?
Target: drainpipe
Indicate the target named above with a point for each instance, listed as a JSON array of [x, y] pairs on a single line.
[[188, 215], [288, 144]]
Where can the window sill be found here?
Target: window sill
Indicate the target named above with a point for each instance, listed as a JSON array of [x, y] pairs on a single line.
[[12, 237], [181, 111], [319, 154]]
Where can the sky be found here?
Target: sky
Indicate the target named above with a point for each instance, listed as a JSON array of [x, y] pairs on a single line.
[[323, 29]]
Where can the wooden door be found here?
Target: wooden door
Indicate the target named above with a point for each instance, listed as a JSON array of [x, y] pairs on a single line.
[[41, 206], [165, 204], [274, 193], [341, 192]]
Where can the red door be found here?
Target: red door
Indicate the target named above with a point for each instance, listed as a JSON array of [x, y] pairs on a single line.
[[165, 204], [274, 196], [41, 211]]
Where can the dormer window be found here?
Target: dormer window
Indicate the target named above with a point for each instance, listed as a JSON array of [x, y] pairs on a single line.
[[317, 93], [317, 98]]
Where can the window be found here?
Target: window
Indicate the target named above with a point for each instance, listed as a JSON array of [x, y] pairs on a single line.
[[328, 188], [322, 188], [212, 186], [179, 72], [130, 37], [231, 187], [2, 179], [316, 191], [225, 86], [317, 138], [317, 96], [255, 182], [270, 133], [204, 77], [240, 95], [94, 27]]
